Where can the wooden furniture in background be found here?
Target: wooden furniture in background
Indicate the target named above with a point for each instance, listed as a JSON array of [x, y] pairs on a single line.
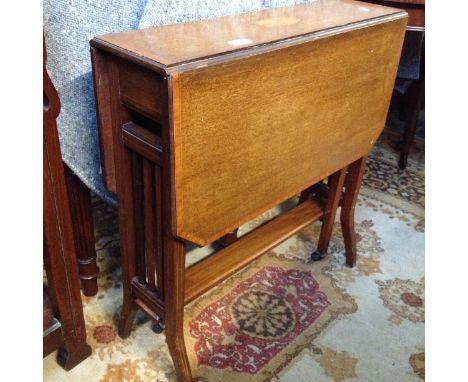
[[64, 327], [415, 98], [81, 209], [414, 8], [415, 103], [206, 125]]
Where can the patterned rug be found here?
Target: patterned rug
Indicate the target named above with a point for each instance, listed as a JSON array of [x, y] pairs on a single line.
[[283, 318]]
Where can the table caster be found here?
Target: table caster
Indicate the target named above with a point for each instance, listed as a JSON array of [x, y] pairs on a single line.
[[317, 256], [158, 327]]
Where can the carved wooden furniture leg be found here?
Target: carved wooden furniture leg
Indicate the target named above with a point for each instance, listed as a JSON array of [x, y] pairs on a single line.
[[412, 120], [352, 185], [335, 185], [59, 250], [83, 231], [174, 281]]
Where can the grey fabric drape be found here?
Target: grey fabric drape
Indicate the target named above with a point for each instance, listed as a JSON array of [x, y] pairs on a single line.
[[68, 27]]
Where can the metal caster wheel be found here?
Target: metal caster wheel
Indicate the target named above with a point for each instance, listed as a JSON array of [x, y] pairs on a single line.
[[158, 327], [317, 256]]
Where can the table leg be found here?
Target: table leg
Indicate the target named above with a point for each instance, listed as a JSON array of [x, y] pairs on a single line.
[[229, 238], [352, 185], [174, 285], [72, 352], [335, 184], [304, 195], [127, 244]]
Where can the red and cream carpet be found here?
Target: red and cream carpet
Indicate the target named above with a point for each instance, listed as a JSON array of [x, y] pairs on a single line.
[[284, 318]]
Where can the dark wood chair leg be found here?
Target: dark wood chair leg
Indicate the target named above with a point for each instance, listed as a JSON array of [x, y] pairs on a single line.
[[304, 195], [335, 183], [72, 353], [83, 231], [411, 122], [59, 248], [174, 280], [352, 185], [126, 315]]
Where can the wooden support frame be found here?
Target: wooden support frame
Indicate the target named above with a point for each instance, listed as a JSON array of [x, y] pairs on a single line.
[[166, 300], [207, 273], [154, 275]]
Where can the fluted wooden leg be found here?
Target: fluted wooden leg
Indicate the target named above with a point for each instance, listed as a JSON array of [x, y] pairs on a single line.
[[352, 185], [83, 232]]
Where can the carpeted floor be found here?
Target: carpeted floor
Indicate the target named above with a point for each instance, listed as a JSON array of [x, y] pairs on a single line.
[[283, 318]]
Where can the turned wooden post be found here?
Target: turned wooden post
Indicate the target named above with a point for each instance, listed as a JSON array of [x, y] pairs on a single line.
[[83, 230]]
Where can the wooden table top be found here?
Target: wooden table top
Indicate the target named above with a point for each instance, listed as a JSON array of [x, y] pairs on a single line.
[[173, 45], [263, 104]]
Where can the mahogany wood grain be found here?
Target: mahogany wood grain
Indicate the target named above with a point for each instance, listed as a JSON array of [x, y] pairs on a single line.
[[173, 250], [124, 185], [335, 184], [59, 247], [203, 275], [128, 246], [139, 212], [52, 339], [142, 141], [48, 314], [158, 231], [141, 90], [352, 185], [173, 45], [102, 89], [149, 212], [83, 230], [147, 299]]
